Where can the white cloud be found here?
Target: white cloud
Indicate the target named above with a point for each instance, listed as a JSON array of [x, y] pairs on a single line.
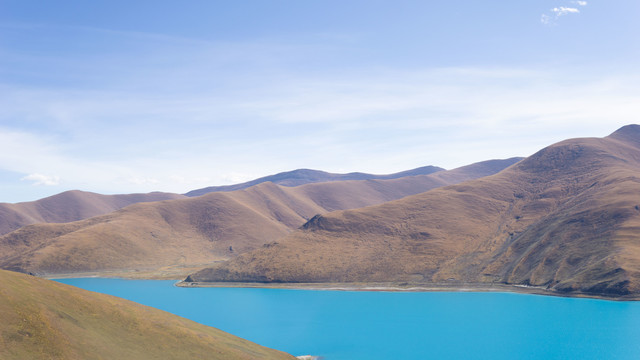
[[141, 180], [128, 139], [235, 178], [560, 11], [390, 122], [557, 12], [40, 179], [190, 180]]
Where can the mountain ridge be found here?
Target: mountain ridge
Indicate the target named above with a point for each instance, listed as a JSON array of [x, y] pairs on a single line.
[[200, 230], [563, 219], [308, 176], [70, 206]]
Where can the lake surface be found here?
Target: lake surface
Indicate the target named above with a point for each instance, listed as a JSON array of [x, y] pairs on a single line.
[[341, 325]]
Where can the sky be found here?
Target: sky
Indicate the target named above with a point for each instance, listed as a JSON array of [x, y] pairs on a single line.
[[115, 96]]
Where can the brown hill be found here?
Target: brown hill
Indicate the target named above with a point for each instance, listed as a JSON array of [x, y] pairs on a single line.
[[566, 219], [196, 231], [43, 319], [69, 206], [307, 176]]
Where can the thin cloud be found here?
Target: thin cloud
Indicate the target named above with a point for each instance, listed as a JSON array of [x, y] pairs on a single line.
[[40, 179], [395, 121], [561, 11], [555, 13], [141, 180]]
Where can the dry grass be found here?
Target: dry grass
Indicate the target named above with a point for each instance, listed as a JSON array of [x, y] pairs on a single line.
[[69, 206], [42, 319], [193, 231], [306, 176], [566, 218]]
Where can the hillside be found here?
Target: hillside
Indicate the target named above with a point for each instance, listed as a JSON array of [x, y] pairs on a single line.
[[69, 206], [566, 219], [198, 231], [43, 319], [307, 176]]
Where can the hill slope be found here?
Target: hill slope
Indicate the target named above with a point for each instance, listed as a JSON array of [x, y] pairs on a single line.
[[43, 319], [69, 206], [565, 219], [307, 176], [196, 231]]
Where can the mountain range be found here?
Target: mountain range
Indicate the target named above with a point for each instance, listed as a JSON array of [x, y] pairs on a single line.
[[308, 176], [70, 206], [565, 220], [194, 232]]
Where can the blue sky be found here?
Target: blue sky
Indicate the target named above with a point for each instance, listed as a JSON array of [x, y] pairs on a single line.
[[119, 96]]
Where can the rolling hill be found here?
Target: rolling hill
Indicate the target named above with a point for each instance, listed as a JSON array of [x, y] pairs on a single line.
[[307, 176], [198, 231], [43, 319], [69, 206], [566, 219]]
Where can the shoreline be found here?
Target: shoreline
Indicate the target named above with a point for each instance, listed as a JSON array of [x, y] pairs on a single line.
[[391, 287], [166, 273], [179, 276]]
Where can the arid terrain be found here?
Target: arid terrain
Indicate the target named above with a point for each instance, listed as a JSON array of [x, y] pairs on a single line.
[[170, 238], [70, 206], [308, 176], [565, 219]]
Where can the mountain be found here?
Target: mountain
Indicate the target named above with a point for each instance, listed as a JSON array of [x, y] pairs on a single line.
[[194, 232], [307, 176], [43, 319], [566, 220], [69, 206]]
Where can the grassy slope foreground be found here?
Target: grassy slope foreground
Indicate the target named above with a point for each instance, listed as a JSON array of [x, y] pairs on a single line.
[[566, 219], [42, 319], [193, 231]]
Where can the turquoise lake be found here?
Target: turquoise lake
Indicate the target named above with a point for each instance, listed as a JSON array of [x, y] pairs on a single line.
[[341, 325]]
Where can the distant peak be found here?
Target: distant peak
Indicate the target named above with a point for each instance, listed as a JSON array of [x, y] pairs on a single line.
[[628, 129], [628, 133]]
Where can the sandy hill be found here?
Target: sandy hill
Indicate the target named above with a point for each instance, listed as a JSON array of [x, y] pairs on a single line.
[[43, 319], [308, 176], [200, 230], [69, 206], [566, 219]]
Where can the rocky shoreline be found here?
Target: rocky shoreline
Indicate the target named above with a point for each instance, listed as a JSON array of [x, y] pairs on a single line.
[[391, 287], [432, 287]]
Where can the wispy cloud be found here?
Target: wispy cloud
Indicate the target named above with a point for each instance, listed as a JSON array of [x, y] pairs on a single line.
[[394, 121], [139, 180], [188, 114], [551, 17], [561, 11], [40, 179]]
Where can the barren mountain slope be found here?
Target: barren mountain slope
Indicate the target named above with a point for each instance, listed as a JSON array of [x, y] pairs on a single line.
[[306, 176], [69, 206], [195, 231], [565, 219], [43, 319]]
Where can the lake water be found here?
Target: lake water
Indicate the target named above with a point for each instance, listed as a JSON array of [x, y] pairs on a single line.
[[341, 325]]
